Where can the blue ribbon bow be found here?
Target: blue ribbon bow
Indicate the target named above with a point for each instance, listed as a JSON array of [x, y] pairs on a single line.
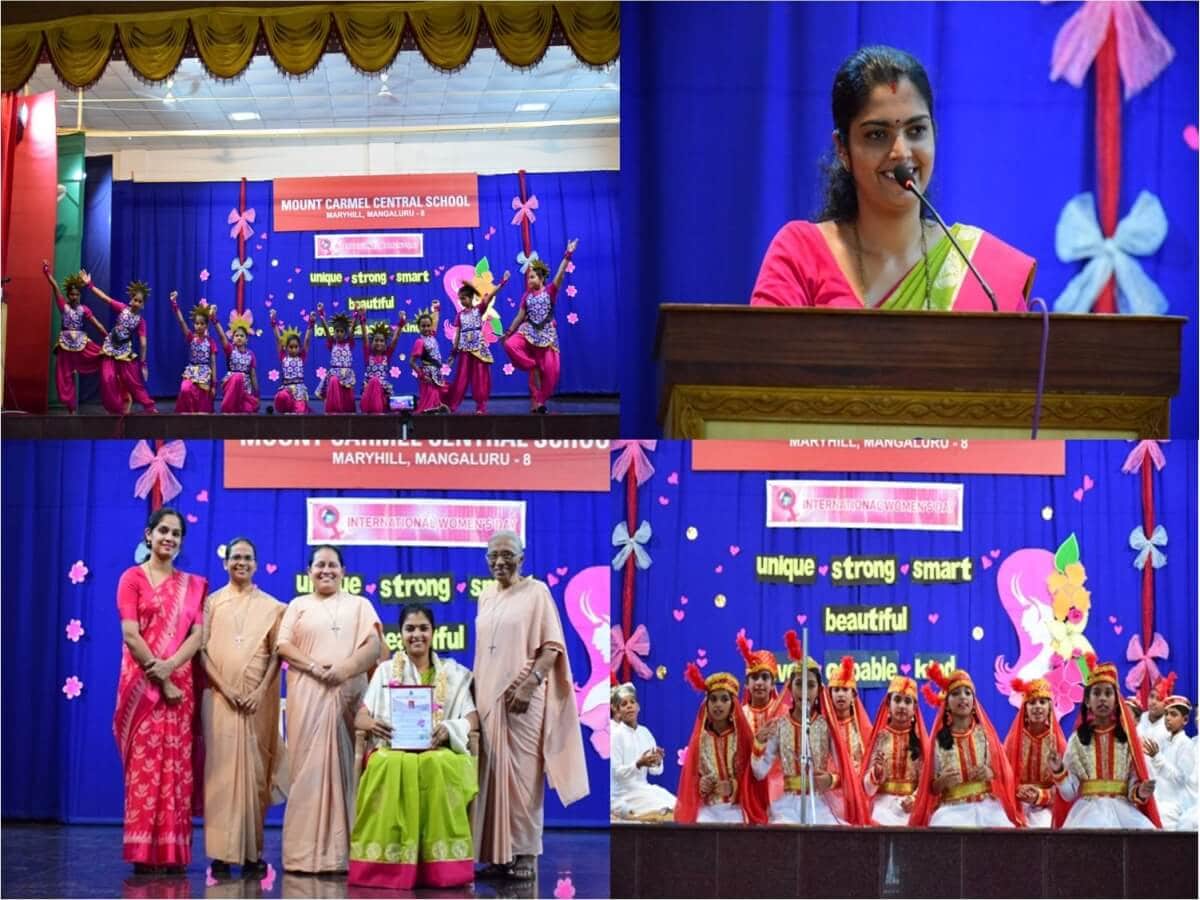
[[1078, 236], [241, 269], [1137, 540], [628, 545], [523, 261]]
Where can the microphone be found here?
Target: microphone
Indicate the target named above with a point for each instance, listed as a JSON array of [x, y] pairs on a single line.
[[907, 180]]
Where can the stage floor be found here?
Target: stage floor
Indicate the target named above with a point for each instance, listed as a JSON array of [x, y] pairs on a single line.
[[48, 860], [507, 418]]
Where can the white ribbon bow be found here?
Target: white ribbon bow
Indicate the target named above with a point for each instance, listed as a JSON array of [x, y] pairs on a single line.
[[1144, 547], [628, 545], [241, 269]]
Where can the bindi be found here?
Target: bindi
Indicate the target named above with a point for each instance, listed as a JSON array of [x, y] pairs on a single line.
[[892, 85]]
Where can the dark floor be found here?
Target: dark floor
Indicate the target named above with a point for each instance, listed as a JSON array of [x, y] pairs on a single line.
[[48, 860]]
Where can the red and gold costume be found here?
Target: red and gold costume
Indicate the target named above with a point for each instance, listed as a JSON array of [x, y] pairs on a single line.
[[1029, 755], [901, 770], [856, 727], [758, 716]]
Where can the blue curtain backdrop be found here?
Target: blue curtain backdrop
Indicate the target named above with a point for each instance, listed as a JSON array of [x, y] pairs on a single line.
[[1003, 513], [725, 111], [73, 501], [168, 234], [97, 226]]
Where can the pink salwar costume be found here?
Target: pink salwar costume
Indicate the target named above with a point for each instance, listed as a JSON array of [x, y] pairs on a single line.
[[237, 393], [336, 386], [154, 737], [196, 389], [120, 374], [74, 352], [293, 396], [474, 361], [533, 348], [426, 359]]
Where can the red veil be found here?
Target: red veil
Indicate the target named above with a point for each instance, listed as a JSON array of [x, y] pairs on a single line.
[[752, 793], [1001, 784], [1012, 742], [880, 723], [845, 678]]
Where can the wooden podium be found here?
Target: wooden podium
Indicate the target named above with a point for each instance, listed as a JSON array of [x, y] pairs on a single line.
[[765, 372]]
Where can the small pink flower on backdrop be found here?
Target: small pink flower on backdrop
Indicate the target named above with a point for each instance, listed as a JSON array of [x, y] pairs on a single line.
[[78, 572], [74, 630]]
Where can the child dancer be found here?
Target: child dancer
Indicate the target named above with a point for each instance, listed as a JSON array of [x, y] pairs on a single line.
[[122, 380], [634, 757], [378, 348], [1034, 745], [1174, 766], [1104, 779], [336, 387], [532, 340], [199, 376], [74, 352], [475, 369], [239, 390], [849, 714], [715, 783], [426, 362], [292, 397], [892, 762], [761, 703], [965, 778], [834, 778]]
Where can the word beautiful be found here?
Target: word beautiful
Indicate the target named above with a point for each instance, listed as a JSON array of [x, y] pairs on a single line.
[[358, 279], [866, 619], [418, 587], [852, 571], [450, 637]]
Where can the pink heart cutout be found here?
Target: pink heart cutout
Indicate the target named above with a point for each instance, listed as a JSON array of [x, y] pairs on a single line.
[[561, 571], [461, 586], [1191, 137], [663, 501], [702, 663], [824, 570], [734, 549], [202, 497], [985, 561], [370, 588], [271, 568], [801, 619], [551, 579], [719, 569], [701, 652], [678, 614], [904, 569], [995, 554], [933, 617], [905, 668], [673, 478], [1088, 484], [1078, 494], [192, 519], [1112, 620], [683, 601], [1118, 628]]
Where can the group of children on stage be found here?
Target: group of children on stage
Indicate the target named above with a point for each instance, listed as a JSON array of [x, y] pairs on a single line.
[[531, 343], [745, 760]]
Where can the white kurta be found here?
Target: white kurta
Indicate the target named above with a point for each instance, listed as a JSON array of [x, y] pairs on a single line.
[[630, 792], [1157, 731], [1174, 770]]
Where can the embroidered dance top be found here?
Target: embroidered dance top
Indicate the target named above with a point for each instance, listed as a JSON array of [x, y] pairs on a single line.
[[1104, 767], [718, 758], [900, 771], [377, 367], [968, 751], [119, 343], [470, 334], [852, 738], [293, 375], [789, 737], [1035, 764], [428, 356], [757, 716], [341, 358], [71, 335], [240, 360], [538, 327], [199, 367]]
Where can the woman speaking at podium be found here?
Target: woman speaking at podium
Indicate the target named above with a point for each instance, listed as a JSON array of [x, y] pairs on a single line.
[[872, 247]]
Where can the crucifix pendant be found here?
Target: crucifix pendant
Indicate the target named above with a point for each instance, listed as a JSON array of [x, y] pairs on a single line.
[[335, 627], [237, 639]]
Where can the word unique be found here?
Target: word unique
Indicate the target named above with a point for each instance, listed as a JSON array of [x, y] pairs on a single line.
[[786, 569]]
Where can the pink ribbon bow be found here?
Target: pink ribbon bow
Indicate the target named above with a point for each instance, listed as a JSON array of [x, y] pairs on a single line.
[[241, 223], [160, 463], [633, 454], [1142, 50], [1144, 662], [525, 210], [631, 651], [1137, 456]]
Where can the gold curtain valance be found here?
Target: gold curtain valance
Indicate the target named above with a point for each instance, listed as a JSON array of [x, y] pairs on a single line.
[[370, 34]]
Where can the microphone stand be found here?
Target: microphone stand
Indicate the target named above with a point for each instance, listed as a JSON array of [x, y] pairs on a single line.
[[808, 802]]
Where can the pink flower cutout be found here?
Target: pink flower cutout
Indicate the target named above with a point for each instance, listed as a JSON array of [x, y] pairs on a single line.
[[268, 881], [394, 371], [680, 756], [1066, 684], [202, 497], [283, 666], [565, 889], [570, 267], [74, 630], [508, 369], [78, 572], [445, 370], [572, 290], [1191, 137], [321, 371], [72, 687], [572, 318], [204, 274], [273, 375], [209, 881], [263, 236]]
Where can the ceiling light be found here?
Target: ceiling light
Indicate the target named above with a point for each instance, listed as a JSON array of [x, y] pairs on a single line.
[[243, 116], [532, 107], [168, 99]]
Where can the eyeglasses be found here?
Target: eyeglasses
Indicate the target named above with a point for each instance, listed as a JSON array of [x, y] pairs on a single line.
[[504, 555]]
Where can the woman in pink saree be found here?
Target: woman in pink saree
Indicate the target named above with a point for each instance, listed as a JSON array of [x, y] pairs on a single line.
[[871, 247], [161, 610]]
